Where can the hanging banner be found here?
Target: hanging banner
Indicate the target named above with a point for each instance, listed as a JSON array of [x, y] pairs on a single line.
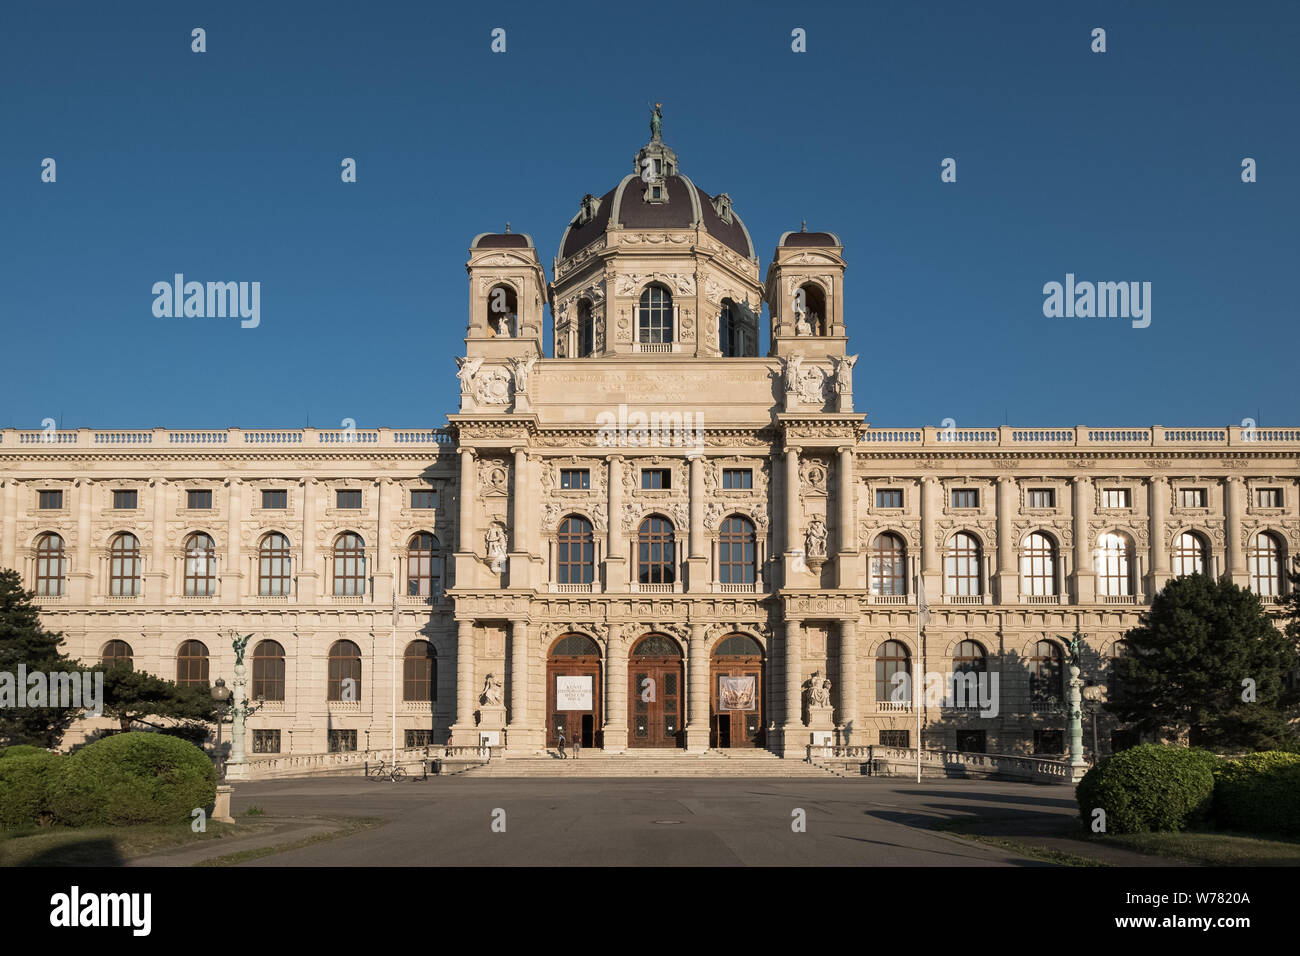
[[737, 693], [573, 693]]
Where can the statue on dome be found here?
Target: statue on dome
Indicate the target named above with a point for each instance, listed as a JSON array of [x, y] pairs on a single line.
[[844, 373], [467, 368], [656, 122], [793, 366]]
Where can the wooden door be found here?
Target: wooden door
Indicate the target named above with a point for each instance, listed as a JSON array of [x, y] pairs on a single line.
[[655, 697], [572, 721], [736, 695]]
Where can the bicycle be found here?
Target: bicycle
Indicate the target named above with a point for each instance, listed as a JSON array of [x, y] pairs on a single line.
[[393, 774]]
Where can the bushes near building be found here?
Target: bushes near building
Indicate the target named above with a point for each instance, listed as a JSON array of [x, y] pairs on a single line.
[[1150, 788], [26, 783], [1259, 793]]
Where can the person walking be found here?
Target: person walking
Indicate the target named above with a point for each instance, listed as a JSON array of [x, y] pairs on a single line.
[[577, 745], [561, 742]]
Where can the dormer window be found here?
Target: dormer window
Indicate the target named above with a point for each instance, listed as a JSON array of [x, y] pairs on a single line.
[[590, 205], [722, 206]]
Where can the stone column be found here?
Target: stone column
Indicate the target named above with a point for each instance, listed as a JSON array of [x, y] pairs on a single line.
[[931, 567], [1234, 507], [520, 494], [1008, 580], [232, 574], [463, 733], [384, 574], [8, 522], [466, 547], [697, 724], [697, 560], [796, 574], [792, 737], [850, 571], [156, 578], [616, 691], [517, 731], [85, 573], [307, 579], [1158, 509], [847, 718], [1085, 579], [616, 569]]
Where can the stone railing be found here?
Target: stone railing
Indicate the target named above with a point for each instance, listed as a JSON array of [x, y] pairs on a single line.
[[354, 762], [1080, 436], [877, 760], [226, 439]]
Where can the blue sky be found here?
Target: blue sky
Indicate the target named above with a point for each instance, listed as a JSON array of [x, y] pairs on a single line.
[[1122, 166]]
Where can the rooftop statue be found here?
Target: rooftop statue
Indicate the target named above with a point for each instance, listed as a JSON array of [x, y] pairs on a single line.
[[656, 122]]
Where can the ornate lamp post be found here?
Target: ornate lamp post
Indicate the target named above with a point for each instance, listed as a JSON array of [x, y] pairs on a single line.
[[1094, 695], [221, 698], [237, 768], [1074, 708]]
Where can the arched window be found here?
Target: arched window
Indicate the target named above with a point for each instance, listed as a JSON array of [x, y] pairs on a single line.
[[124, 566], [349, 565], [736, 551], [1189, 554], [1045, 672], [268, 670], [1264, 560], [812, 321], [200, 565], [655, 315], [117, 654], [736, 335], [423, 566], [656, 552], [1113, 560], [344, 671], [888, 564], [575, 556], [502, 311], [1118, 651], [51, 565], [273, 565], [968, 663], [962, 565], [892, 659], [192, 664], [419, 672], [586, 329], [1038, 565]]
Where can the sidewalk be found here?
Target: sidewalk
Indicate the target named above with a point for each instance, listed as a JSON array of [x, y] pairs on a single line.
[[278, 831]]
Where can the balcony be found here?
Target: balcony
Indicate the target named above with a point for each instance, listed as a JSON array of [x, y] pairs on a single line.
[[1050, 599], [963, 599], [587, 588], [749, 588], [895, 599], [1120, 599], [654, 588]]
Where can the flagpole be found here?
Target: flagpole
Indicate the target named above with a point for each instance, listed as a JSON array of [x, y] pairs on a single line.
[[392, 658], [916, 675]]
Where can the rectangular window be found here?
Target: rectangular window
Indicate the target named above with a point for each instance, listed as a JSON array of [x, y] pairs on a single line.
[[424, 498], [1042, 498], [889, 498], [575, 479], [972, 741], [656, 478], [1268, 497], [50, 500], [965, 498], [198, 500], [266, 741], [895, 738], [1116, 498], [737, 478], [1049, 743], [275, 499], [124, 500], [1192, 497], [343, 741], [419, 738], [347, 499]]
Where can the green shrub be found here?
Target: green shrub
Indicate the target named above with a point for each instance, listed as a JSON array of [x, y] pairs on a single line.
[[26, 786], [133, 778], [21, 750], [1150, 788], [1259, 793]]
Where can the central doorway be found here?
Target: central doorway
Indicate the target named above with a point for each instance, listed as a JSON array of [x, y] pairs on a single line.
[[736, 693], [655, 691], [573, 691]]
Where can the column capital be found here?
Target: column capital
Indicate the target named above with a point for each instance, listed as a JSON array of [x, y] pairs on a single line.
[[845, 448], [792, 449], [519, 449], [614, 458], [471, 452]]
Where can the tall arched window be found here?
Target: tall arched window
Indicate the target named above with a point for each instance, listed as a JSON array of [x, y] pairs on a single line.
[[736, 335], [814, 309], [344, 671], [192, 664], [268, 670], [200, 565], [655, 315], [124, 566], [349, 565], [1045, 672], [423, 566], [1189, 554], [968, 662], [586, 329], [273, 565], [962, 565], [888, 564], [117, 654], [656, 552], [1264, 560], [575, 555], [502, 311], [891, 659], [51, 565], [419, 672], [737, 551], [1038, 565], [1113, 561]]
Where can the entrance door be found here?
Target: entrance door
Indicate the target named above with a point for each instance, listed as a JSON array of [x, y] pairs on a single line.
[[736, 692], [655, 693], [573, 691]]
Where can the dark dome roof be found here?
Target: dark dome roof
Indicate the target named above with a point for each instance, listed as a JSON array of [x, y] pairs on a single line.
[[502, 240], [687, 205], [809, 239]]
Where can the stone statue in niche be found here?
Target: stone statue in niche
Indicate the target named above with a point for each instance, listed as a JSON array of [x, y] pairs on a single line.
[[819, 690], [815, 538], [491, 696], [801, 326], [495, 544]]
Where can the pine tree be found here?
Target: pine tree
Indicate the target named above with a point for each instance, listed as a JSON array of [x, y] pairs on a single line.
[[23, 641]]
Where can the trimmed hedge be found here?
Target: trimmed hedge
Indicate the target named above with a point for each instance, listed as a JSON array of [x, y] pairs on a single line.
[[1259, 793], [26, 784], [1150, 788], [133, 778], [21, 750]]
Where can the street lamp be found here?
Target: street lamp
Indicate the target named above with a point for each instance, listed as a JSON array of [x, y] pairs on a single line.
[[221, 698], [1094, 695]]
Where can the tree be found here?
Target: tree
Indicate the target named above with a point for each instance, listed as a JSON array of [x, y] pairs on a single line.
[[134, 696], [1206, 658], [23, 641]]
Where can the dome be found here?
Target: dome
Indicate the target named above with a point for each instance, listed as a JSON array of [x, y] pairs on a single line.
[[502, 240], [805, 238]]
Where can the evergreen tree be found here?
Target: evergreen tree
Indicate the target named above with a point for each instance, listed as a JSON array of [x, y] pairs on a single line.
[[23, 641], [135, 696]]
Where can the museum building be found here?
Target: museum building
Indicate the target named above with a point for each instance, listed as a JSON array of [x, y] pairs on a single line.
[[655, 537]]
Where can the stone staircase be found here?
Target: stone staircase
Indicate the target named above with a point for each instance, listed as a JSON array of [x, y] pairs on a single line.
[[650, 763]]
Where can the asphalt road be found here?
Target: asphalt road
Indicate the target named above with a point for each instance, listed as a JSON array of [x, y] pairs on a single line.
[[690, 822]]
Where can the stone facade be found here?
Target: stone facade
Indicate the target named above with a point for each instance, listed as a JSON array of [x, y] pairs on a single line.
[[654, 405]]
